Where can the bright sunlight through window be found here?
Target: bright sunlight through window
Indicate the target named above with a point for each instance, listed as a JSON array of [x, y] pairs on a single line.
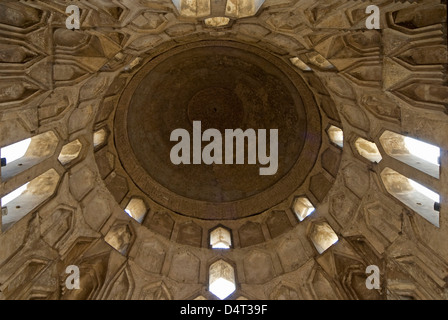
[[220, 238], [423, 150], [221, 279], [13, 195], [16, 151], [336, 135], [425, 191]]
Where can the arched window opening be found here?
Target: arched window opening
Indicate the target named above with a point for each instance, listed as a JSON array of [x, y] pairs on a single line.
[[220, 238], [418, 154], [303, 207], [336, 136], [99, 137], [136, 209], [296, 61], [70, 152], [368, 150], [221, 279], [416, 196], [323, 236], [26, 198]]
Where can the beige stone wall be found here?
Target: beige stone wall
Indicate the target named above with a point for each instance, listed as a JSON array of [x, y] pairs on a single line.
[[364, 81]]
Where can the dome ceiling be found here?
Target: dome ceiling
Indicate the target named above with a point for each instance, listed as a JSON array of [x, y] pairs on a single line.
[[225, 85]]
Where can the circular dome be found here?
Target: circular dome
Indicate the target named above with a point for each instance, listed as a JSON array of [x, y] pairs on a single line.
[[224, 85]]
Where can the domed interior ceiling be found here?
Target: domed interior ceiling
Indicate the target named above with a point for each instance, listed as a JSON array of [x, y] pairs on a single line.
[[208, 79], [101, 102], [224, 85]]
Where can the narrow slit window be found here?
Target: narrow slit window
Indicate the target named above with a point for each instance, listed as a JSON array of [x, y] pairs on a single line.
[[423, 150], [411, 193], [319, 61], [415, 153], [300, 64], [23, 200], [27, 153], [16, 151], [13, 195]]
